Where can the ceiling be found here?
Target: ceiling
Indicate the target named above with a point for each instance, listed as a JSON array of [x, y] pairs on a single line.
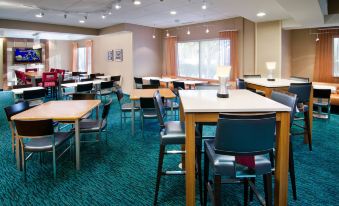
[[293, 13], [149, 13]]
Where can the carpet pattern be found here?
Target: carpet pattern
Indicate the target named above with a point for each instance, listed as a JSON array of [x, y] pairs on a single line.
[[123, 171]]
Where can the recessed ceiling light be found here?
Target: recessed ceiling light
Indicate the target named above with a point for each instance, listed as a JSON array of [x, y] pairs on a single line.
[[103, 16], [40, 15], [117, 6], [81, 21], [173, 12], [204, 6], [188, 31], [136, 2], [261, 14]]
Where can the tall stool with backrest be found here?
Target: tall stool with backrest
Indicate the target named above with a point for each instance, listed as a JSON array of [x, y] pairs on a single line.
[[125, 107], [289, 100], [11, 111], [43, 139], [240, 84], [303, 92], [147, 111], [240, 135], [50, 81], [171, 133], [138, 82], [323, 97]]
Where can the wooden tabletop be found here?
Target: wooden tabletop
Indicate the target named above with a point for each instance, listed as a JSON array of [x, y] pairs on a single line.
[[34, 74], [164, 92], [240, 100], [193, 82], [59, 110], [271, 84]]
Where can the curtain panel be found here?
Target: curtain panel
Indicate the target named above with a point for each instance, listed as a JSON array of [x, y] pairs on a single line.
[[323, 67], [89, 56], [170, 58], [75, 57], [233, 37]]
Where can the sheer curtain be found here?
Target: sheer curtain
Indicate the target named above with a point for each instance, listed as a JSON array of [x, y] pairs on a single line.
[[323, 67], [89, 56], [233, 37], [170, 60], [75, 57]]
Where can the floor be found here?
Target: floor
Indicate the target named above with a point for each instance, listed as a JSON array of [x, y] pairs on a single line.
[[123, 171]]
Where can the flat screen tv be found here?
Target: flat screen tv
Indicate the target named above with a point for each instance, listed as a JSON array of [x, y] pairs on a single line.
[[27, 55]]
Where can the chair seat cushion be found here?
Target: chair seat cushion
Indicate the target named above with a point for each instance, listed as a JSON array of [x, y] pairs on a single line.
[[45, 144], [47, 84], [168, 105], [174, 133], [302, 108], [91, 125], [225, 165], [149, 113], [105, 92], [128, 106]]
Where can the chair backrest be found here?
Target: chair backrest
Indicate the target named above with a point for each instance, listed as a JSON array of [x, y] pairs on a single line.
[[83, 96], [115, 78], [31, 70], [248, 76], [15, 109], [84, 87], [37, 128], [18, 86], [154, 82], [301, 79], [178, 85], [74, 74], [120, 94], [106, 85], [92, 76], [322, 93], [99, 74], [288, 99], [138, 80], [106, 109], [159, 107], [150, 86], [49, 77], [34, 94], [146, 103], [302, 90], [86, 80], [68, 81], [52, 70], [240, 84], [245, 134]]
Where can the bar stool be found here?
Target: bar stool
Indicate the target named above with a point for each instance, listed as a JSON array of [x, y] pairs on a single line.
[[303, 92], [324, 97]]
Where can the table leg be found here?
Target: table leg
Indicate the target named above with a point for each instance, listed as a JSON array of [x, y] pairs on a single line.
[[97, 112], [133, 117], [282, 154], [77, 144], [33, 80], [190, 159], [182, 119], [172, 108], [310, 116], [17, 154]]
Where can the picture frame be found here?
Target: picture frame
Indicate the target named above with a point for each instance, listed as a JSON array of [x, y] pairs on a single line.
[[119, 55], [110, 55]]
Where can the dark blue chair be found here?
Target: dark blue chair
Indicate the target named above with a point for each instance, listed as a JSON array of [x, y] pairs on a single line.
[[240, 135], [240, 84]]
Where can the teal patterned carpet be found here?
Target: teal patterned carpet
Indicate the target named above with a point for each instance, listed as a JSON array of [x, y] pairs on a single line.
[[123, 171]]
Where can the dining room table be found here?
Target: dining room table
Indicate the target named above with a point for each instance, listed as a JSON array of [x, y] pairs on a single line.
[[34, 76], [166, 80], [192, 83], [267, 87], [204, 106], [61, 111], [136, 94]]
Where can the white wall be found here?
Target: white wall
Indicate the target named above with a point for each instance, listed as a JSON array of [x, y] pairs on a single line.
[[102, 44], [60, 54], [1, 62]]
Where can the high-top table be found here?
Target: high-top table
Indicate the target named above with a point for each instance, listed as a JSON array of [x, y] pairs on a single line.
[[33, 76], [68, 111], [205, 106], [267, 86], [136, 94]]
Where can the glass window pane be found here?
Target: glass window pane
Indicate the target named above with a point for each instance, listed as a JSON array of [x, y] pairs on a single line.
[[81, 59], [225, 52], [336, 57], [188, 59], [209, 59]]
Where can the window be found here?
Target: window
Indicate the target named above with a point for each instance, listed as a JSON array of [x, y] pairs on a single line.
[[83, 58], [336, 57], [200, 59]]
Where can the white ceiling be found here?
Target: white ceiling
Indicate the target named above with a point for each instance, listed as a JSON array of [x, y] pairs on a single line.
[[149, 13]]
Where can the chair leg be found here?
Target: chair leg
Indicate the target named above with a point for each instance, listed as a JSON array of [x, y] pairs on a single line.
[[159, 173], [251, 191], [206, 174], [54, 162], [217, 190], [292, 173], [308, 130], [268, 189], [245, 192], [23, 159], [198, 163]]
